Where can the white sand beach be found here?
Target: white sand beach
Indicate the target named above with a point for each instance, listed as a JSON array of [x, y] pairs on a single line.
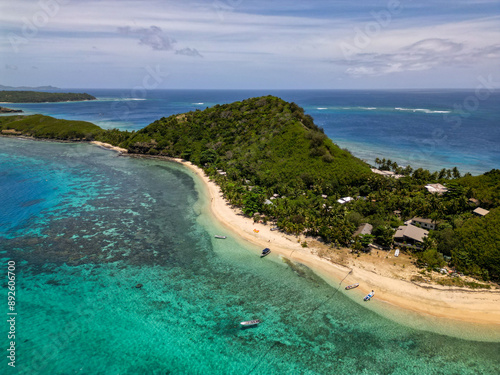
[[372, 272]]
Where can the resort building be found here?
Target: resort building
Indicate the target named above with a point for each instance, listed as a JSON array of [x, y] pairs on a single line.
[[424, 223], [345, 200], [410, 235], [481, 211], [436, 189], [363, 229], [387, 173]]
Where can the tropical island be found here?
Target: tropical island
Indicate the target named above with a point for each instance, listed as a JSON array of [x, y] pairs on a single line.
[[273, 164], [42, 97]]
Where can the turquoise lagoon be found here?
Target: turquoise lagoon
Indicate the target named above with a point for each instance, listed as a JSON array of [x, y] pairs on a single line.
[[86, 226]]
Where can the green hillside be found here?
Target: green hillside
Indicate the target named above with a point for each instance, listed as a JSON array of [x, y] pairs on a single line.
[[486, 187], [40, 126], [264, 140]]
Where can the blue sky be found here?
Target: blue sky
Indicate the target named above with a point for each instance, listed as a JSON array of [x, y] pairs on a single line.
[[243, 44]]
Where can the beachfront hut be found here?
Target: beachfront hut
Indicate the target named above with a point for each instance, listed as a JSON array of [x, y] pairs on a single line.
[[363, 229], [410, 234]]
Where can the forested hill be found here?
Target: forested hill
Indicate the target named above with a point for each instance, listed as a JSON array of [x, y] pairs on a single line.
[[265, 140], [42, 97], [46, 127]]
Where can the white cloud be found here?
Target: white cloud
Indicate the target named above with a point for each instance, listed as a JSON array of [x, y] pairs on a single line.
[[153, 37], [422, 55], [188, 52]]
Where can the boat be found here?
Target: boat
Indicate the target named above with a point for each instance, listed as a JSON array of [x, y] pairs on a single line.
[[396, 253], [352, 286], [250, 323], [221, 237], [265, 252], [369, 296]]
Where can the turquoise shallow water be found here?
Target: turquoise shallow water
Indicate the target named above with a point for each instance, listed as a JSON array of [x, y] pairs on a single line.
[[85, 226]]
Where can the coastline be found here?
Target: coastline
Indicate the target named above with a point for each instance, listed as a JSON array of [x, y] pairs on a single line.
[[460, 305], [451, 303], [110, 147]]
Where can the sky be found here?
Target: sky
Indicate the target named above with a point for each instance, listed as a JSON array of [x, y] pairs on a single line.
[[249, 44]]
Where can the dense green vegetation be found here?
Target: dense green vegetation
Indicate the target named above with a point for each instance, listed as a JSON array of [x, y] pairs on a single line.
[[273, 162], [41, 97], [40, 126], [486, 188], [46, 127], [269, 158], [265, 140]]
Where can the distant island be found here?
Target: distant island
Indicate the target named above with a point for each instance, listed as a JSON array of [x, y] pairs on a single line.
[[8, 110], [41, 97], [38, 88], [271, 160]]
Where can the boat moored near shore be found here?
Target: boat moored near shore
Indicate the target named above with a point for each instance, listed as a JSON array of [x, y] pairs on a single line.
[[369, 296], [352, 286], [265, 252], [250, 323]]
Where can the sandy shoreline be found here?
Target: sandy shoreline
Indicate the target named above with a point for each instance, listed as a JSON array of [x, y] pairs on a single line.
[[110, 147], [471, 306]]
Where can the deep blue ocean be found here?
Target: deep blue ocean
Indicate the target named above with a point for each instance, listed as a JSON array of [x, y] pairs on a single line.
[[118, 271], [432, 129]]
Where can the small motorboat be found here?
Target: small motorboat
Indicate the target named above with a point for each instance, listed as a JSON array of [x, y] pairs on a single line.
[[221, 237], [250, 323], [352, 286], [369, 296], [265, 252]]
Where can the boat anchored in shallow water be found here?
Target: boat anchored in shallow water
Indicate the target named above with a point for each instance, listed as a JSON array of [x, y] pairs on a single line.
[[221, 237], [369, 296], [250, 323], [352, 286], [265, 252]]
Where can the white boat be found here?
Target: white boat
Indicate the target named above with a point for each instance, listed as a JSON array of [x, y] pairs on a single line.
[[369, 296], [396, 253], [250, 323], [221, 237]]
